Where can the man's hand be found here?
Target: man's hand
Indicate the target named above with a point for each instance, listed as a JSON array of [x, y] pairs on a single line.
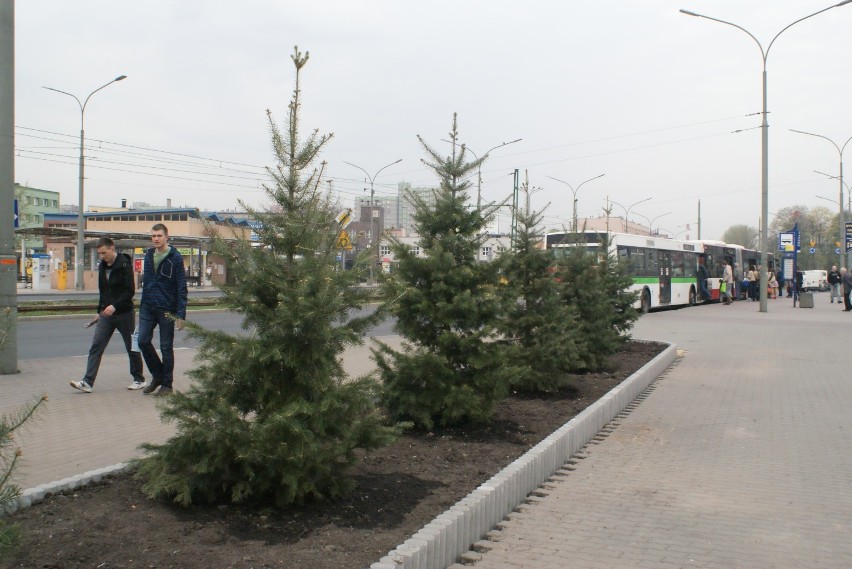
[[109, 310], [179, 324]]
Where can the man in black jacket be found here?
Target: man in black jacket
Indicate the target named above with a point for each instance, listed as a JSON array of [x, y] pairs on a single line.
[[834, 278], [116, 284]]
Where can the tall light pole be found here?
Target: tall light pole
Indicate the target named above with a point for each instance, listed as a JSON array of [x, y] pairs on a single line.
[[652, 220], [627, 209], [81, 224], [764, 154], [574, 192], [479, 168], [374, 241], [845, 185], [841, 220]]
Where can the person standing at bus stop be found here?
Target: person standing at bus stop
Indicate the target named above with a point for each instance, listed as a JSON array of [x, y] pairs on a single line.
[[834, 278], [728, 279], [163, 305]]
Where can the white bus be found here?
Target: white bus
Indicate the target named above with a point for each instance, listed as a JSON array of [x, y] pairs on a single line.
[[664, 271]]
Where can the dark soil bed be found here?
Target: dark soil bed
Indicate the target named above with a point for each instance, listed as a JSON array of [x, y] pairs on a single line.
[[399, 489]]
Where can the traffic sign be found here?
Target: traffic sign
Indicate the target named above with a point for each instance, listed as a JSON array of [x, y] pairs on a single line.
[[16, 212], [344, 218], [343, 241], [812, 250], [837, 250]]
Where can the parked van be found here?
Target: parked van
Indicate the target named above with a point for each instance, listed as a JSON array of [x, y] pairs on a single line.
[[814, 280]]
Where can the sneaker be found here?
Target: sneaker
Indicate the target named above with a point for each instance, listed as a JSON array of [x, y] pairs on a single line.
[[136, 385], [152, 387], [82, 386], [163, 391]]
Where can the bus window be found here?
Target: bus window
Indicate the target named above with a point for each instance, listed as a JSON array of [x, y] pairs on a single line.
[[678, 269], [652, 265]]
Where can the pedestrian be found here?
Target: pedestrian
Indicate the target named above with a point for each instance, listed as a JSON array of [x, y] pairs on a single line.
[[846, 279], [702, 275], [163, 305], [834, 279], [773, 285], [116, 287], [754, 283], [728, 279], [738, 281]]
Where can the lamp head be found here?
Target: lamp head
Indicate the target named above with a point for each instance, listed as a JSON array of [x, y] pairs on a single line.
[[688, 13], [122, 77]]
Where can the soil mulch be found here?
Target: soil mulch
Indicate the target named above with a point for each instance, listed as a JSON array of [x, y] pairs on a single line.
[[400, 488]]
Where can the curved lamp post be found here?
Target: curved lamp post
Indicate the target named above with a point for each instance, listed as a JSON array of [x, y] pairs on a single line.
[[81, 224], [627, 209], [764, 184], [841, 220], [374, 241], [479, 168], [574, 192], [652, 220]]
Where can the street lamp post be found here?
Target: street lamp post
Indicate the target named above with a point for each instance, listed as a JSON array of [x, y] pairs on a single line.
[[81, 224], [841, 220], [652, 220], [574, 192], [627, 209], [374, 241], [479, 168], [764, 184]]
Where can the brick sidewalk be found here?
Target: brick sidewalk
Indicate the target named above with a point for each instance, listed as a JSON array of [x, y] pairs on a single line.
[[739, 457]]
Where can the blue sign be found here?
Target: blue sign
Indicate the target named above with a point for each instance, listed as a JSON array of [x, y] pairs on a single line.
[[811, 250], [16, 212], [837, 250]]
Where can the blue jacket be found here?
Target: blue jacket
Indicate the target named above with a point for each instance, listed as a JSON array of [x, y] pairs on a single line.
[[167, 288]]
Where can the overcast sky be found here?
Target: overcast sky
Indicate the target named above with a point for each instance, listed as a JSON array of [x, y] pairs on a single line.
[[631, 89]]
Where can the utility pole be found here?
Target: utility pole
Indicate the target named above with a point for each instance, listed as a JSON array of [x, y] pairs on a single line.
[[8, 263]]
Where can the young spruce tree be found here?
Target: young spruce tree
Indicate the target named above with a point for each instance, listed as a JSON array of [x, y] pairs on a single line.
[[10, 454], [541, 327], [271, 417], [598, 288], [451, 370]]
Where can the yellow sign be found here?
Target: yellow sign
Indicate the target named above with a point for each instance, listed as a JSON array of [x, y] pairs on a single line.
[[344, 218], [343, 241]]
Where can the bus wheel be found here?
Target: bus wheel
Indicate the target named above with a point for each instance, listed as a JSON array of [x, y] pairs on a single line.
[[646, 301], [692, 297]]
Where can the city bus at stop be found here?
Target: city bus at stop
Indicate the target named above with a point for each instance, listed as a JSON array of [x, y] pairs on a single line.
[[663, 271]]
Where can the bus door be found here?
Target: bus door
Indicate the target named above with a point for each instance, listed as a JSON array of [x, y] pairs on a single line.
[[665, 264]]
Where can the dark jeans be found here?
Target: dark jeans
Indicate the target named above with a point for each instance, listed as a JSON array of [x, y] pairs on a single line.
[[846, 300], [106, 326], [149, 318]]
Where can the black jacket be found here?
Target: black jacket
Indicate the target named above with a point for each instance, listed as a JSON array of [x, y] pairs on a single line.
[[119, 289], [833, 277]]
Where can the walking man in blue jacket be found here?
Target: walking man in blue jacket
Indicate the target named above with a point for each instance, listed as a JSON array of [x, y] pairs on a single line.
[[163, 304]]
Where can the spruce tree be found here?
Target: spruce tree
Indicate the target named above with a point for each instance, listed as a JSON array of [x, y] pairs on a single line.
[[450, 370], [540, 326], [10, 454], [598, 288], [271, 416]]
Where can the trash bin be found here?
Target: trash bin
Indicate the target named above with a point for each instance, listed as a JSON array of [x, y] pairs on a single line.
[[806, 300]]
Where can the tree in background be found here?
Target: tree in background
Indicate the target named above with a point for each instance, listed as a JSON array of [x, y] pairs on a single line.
[[744, 235], [540, 327], [271, 416], [9, 457], [598, 288], [446, 305]]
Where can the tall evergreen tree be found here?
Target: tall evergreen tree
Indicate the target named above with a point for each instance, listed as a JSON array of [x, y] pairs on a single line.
[[446, 308], [540, 326], [598, 288], [271, 416]]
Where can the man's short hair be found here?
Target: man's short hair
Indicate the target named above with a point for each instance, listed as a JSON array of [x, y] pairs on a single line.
[[104, 242], [160, 227]]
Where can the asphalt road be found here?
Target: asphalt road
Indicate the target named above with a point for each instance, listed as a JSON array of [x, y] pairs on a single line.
[[49, 337]]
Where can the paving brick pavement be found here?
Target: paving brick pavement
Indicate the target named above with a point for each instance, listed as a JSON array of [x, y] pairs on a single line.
[[739, 456], [76, 432]]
